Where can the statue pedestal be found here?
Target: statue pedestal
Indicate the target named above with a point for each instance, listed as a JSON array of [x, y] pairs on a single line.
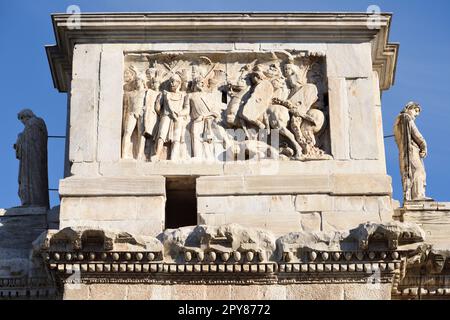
[[433, 217], [428, 279]]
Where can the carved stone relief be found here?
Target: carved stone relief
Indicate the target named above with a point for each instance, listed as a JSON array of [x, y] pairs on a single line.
[[196, 106], [412, 150]]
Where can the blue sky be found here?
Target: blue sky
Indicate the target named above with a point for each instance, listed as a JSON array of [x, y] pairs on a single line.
[[423, 74]]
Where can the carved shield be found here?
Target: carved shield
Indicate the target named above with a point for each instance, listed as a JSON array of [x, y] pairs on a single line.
[[258, 102]]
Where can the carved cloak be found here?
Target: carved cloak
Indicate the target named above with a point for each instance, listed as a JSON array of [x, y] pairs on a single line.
[[31, 150], [410, 142]]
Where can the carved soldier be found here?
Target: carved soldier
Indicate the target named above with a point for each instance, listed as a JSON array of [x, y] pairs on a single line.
[[412, 149], [305, 122], [151, 99], [302, 96], [173, 109], [203, 115], [238, 92], [31, 150], [133, 115], [255, 108], [277, 115]]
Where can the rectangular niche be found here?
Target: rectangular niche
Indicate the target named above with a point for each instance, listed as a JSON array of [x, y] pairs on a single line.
[[225, 106], [181, 202]]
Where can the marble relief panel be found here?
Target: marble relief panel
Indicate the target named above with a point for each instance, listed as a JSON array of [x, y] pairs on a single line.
[[225, 106]]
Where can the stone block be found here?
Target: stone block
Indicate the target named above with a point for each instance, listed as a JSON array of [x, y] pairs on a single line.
[[138, 186], [248, 220], [234, 204], [218, 292], [189, 46], [211, 219], [107, 291], [161, 292], [110, 104], [84, 169], [362, 184], [314, 203], [261, 185], [244, 46], [220, 185], [139, 292], [339, 120], [286, 184], [23, 211], [312, 47], [189, 292], [352, 204], [315, 292], [362, 124], [337, 184], [251, 292], [348, 60], [151, 227], [283, 204], [311, 222], [368, 291], [344, 221], [113, 208], [280, 223], [436, 224], [273, 292], [76, 291], [84, 102]]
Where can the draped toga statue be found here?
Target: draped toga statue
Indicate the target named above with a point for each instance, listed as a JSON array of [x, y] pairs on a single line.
[[412, 149], [31, 150]]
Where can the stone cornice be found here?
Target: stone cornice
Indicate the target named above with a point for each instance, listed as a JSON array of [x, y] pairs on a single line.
[[222, 27]]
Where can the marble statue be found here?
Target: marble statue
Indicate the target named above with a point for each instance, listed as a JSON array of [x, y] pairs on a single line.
[[31, 150], [412, 150]]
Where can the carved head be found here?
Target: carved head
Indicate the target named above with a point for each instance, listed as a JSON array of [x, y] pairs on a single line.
[[129, 75], [152, 75], [25, 115], [296, 75], [139, 82], [197, 84], [258, 74], [413, 109], [175, 82], [273, 71]]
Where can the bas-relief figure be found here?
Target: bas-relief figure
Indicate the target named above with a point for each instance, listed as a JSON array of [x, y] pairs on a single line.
[[31, 151], [133, 115], [412, 150], [183, 106], [173, 109]]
